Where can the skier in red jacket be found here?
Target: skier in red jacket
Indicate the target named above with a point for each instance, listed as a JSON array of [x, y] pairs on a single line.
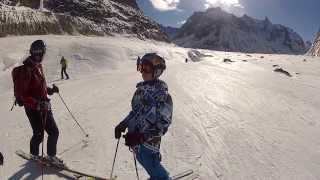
[[31, 92]]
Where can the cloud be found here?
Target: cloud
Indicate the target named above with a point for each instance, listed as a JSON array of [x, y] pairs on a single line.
[[165, 5], [232, 6], [182, 22], [225, 3]]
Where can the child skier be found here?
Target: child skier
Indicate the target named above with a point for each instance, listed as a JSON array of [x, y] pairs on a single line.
[[150, 117]]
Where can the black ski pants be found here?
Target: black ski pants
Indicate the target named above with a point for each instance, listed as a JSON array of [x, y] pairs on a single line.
[[64, 71], [36, 119]]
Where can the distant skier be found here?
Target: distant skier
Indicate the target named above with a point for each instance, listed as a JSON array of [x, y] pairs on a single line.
[[31, 91], [150, 117], [1, 159], [186, 60], [64, 66]]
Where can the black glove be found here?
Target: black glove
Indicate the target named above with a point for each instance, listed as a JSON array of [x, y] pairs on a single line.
[[43, 106], [1, 159], [53, 90], [133, 139], [19, 102], [119, 130]]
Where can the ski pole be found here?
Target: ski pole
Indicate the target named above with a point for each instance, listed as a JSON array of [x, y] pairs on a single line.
[[135, 164], [114, 159], [14, 103], [87, 135], [44, 122]]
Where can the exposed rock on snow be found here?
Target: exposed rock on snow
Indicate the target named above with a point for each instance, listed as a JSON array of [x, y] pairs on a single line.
[[280, 70], [228, 61], [219, 30], [195, 55], [77, 17]]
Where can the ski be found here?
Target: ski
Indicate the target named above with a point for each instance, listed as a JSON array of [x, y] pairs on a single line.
[[77, 174], [184, 174]]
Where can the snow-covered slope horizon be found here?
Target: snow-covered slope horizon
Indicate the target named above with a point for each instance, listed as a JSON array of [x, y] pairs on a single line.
[[232, 120]]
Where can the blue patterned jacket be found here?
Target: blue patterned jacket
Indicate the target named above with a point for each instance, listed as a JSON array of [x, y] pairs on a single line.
[[151, 112]]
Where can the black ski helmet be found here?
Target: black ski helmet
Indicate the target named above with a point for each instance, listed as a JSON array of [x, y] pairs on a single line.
[[157, 63], [38, 48]]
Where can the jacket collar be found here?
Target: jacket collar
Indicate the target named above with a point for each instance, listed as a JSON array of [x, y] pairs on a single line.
[[29, 62]]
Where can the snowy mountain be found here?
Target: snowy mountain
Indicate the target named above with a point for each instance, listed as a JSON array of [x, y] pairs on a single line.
[[171, 32], [315, 48], [308, 45], [85, 17], [216, 29]]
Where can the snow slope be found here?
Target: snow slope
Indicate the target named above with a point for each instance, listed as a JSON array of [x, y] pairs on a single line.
[[235, 120]]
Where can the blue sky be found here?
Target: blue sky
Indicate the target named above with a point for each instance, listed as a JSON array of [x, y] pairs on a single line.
[[303, 16]]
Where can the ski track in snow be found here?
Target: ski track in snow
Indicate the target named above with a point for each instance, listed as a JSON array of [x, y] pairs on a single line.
[[235, 120]]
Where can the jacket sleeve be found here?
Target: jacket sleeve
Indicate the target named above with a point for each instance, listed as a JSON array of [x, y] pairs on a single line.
[[124, 123], [27, 100]]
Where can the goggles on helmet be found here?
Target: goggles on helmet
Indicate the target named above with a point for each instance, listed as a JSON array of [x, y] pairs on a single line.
[[38, 51], [151, 63], [145, 68]]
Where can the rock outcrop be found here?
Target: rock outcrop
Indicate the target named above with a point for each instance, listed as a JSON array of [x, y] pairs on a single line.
[[86, 17], [315, 48]]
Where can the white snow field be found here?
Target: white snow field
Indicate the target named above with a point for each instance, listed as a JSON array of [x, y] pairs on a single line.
[[232, 121]]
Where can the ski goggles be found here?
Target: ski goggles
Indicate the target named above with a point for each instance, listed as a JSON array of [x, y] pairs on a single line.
[[145, 68], [149, 63], [38, 52]]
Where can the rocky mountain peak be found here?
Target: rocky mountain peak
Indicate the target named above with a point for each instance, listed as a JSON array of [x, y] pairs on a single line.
[[315, 48], [216, 29]]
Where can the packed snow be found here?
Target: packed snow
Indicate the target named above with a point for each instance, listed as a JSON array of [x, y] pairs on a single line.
[[232, 120]]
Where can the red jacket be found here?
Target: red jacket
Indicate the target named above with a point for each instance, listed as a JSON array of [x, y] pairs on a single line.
[[34, 87]]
